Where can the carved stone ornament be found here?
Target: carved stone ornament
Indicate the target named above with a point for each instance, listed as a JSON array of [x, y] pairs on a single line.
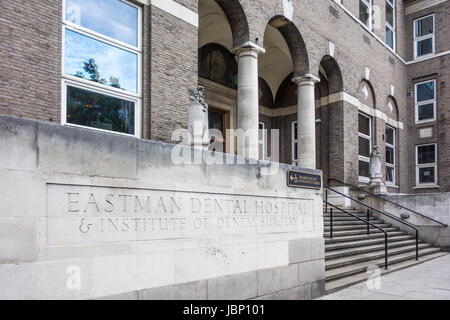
[[375, 166], [196, 97], [198, 119], [375, 172]]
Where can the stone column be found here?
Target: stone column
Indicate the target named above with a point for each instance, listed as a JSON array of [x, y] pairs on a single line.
[[248, 100], [306, 121]]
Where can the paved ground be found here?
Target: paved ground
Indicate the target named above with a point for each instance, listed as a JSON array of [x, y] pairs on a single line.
[[427, 281]]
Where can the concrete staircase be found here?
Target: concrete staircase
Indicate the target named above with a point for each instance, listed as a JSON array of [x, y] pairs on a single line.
[[350, 252]]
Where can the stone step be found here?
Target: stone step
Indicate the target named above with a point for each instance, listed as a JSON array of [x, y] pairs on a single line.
[[347, 252], [364, 242], [345, 261], [359, 273], [363, 236], [339, 211], [357, 227], [348, 218], [337, 273], [351, 223], [343, 214], [339, 206], [337, 234]]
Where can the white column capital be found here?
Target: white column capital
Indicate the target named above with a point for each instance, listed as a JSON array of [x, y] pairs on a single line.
[[249, 46], [307, 79]]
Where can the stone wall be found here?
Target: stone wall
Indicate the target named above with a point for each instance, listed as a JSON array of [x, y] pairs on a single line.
[[119, 215], [433, 205]]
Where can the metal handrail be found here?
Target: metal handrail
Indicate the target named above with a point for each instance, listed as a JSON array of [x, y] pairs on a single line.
[[384, 213], [367, 222], [391, 202]]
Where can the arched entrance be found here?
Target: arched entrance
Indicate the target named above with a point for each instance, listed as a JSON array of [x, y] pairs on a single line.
[[222, 25], [330, 111], [285, 68]]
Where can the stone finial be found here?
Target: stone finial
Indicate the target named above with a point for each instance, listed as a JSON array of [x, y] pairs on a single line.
[[196, 97], [198, 119]]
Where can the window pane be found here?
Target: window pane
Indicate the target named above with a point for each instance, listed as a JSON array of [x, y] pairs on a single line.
[[364, 125], [390, 38], [425, 112], [425, 91], [424, 26], [424, 47], [389, 174], [390, 135], [112, 18], [364, 147], [364, 13], [99, 62], [96, 110], [389, 14], [426, 154], [389, 155], [363, 169], [215, 120], [295, 131], [426, 175], [216, 63]]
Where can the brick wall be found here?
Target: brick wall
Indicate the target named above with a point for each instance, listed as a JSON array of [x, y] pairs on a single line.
[[438, 69], [30, 56], [173, 61]]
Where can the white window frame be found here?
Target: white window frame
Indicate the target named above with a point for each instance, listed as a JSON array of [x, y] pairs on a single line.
[[417, 104], [368, 3], [80, 85], [262, 141], [98, 87], [391, 183], [431, 35], [391, 3], [294, 142], [427, 165], [362, 135]]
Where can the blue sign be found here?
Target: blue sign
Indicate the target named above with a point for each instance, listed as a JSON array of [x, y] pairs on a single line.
[[299, 179]]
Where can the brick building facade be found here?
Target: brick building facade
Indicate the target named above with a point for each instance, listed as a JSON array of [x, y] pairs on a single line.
[[362, 54]]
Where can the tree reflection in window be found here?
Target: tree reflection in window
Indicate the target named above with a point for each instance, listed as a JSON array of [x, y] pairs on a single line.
[[100, 111], [91, 69], [218, 64]]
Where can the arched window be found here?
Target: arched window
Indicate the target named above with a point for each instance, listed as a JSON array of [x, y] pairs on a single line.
[[365, 128], [216, 63]]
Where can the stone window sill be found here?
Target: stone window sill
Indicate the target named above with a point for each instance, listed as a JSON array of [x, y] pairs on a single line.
[[435, 186]]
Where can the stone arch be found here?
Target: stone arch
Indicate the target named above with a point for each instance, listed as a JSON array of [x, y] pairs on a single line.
[[332, 74], [265, 94], [237, 19], [331, 131], [295, 42], [392, 108], [287, 93], [366, 94]]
